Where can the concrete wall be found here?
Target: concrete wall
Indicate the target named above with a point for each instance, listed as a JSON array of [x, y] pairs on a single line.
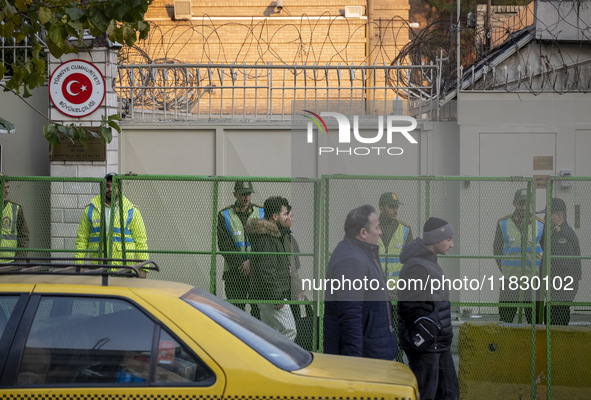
[[25, 153], [258, 149]]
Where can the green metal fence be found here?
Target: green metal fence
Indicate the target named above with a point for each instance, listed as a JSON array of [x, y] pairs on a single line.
[[180, 214]]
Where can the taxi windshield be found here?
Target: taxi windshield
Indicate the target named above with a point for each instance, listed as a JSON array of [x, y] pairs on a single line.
[[266, 341]]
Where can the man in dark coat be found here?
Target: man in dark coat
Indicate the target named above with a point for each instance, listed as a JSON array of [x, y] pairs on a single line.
[[358, 314], [563, 242], [425, 316], [270, 277]]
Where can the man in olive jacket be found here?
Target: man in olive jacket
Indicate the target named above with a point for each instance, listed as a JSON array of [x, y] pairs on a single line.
[[270, 274]]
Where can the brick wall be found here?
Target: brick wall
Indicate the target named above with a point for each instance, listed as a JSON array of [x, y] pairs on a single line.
[[303, 32]]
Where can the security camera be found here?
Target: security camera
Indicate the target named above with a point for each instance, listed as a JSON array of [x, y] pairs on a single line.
[[279, 5]]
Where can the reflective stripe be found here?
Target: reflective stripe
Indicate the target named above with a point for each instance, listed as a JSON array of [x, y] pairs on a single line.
[[90, 211], [12, 234], [390, 259], [117, 239], [117, 230], [229, 227], [517, 249], [128, 239], [9, 235]]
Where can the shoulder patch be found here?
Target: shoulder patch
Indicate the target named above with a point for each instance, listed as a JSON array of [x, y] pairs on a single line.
[[225, 208], [403, 223], [505, 217], [256, 205], [541, 219]]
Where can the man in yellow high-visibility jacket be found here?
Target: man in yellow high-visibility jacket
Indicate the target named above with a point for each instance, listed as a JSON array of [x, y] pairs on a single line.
[[510, 231], [132, 230], [232, 237], [395, 234], [15, 233]]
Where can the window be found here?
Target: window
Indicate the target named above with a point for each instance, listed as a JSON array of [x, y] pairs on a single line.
[[100, 341], [266, 341], [7, 304]]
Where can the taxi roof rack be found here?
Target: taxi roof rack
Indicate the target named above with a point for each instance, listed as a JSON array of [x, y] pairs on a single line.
[[76, 266]]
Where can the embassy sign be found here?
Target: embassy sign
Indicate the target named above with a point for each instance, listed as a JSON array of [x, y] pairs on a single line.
[[356, 144], [77, 88]]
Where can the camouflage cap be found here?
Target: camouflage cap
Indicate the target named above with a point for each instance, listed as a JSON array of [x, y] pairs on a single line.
[[389, 199], [520, 195], [242, 187]]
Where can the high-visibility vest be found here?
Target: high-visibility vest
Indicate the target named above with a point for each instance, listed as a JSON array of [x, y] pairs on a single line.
[[512, 246], [9, 229], [236, 230], [90, 239], [389, 258]]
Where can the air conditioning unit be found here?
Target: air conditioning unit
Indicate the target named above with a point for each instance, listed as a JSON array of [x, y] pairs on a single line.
[[182, 9], [353, 11]]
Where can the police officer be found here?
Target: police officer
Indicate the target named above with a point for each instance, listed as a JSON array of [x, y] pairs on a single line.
[[563, 242], [510, 231], [395, 234], [88, 239], [15, 233], [231, 237]]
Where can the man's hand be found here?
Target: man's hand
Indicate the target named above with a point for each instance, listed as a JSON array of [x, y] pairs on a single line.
[[244, 268]]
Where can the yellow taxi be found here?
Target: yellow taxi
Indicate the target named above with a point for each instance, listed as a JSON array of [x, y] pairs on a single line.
[[70, 332]]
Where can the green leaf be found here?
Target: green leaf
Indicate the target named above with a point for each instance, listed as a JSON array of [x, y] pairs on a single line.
[[51, 133], [115, 126], [99, 19], [75, 13], [107, 134], [129, 35], [55, 50], [118, 13], [64, 131], [21, 5], [75, 28], [57, 34], [45, 15], [115, 117]]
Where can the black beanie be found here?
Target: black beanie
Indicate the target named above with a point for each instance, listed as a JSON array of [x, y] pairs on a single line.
[[436, 229]]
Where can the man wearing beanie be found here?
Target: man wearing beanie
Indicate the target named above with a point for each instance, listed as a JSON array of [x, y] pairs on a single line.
[[425, 317]]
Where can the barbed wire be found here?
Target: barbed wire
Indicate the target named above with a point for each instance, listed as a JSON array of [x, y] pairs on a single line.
[[546, 65]]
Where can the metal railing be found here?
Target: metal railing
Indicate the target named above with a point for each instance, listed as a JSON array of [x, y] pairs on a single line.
[[267, 92], [181, 216]]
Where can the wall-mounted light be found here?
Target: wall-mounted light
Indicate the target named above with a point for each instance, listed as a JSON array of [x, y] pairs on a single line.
[[86, 43], [279, 5]]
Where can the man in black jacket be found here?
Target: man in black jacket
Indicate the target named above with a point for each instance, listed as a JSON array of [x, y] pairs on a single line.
[[270, 274], [563, 242], [425, 315], [358, 317]]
